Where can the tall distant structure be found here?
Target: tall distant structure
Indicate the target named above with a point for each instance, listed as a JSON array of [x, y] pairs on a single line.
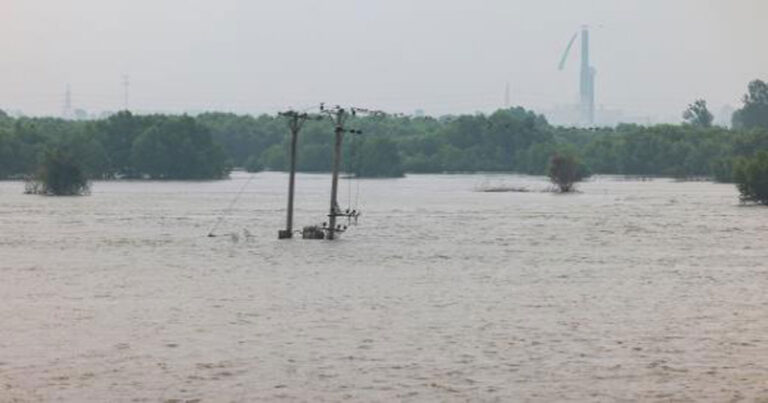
[[66, 112], [126, 85], [587, 79], [506, 96], [587, 82]]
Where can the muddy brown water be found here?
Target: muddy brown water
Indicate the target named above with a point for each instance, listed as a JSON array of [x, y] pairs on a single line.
[[630, 290]]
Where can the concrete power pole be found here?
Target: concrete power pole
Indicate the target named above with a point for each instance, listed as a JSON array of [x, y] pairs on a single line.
[[295, 122], [339, 116]]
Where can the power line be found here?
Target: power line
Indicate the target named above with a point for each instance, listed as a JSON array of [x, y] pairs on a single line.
[[211, 233]]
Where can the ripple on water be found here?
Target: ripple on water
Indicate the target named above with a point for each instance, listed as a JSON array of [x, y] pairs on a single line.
[[627, 291]]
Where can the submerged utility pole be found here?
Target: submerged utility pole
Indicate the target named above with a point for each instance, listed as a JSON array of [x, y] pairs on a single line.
[[295, 122], [339, 115], [328, 230]]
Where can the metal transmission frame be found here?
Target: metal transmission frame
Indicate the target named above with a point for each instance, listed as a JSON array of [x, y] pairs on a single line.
[[296, 121]]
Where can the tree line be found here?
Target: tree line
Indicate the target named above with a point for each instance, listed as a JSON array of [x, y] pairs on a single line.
[[209, 145], [122, 146]]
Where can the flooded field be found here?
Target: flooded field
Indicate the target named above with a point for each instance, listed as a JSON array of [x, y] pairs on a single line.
[[651, 291]]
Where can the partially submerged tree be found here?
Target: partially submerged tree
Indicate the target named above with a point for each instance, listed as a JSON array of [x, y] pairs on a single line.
[[698, 115], [60, 174], [751, 176], [565, 171]]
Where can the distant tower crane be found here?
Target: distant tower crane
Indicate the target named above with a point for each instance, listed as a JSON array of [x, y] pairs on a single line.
[[587, 80]]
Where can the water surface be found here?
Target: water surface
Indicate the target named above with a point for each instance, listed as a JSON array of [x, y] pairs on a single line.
[[627, 291]]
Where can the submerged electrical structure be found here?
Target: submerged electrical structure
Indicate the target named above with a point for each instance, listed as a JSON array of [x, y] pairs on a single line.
[[330, 229], [586, 78], [295, 122]]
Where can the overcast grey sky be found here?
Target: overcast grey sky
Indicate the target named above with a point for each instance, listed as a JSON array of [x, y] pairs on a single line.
[[442, 56]]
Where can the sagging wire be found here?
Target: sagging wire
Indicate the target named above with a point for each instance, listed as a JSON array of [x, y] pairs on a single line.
[[229, 208]]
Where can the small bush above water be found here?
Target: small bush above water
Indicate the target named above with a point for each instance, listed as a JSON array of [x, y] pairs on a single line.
[[751, 176], [565, 171], [59, 175]]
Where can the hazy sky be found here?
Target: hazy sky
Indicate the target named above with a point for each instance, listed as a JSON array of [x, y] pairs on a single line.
[[443, 56]]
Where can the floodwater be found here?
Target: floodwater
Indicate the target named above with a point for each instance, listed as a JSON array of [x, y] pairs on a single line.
[[629, 290]]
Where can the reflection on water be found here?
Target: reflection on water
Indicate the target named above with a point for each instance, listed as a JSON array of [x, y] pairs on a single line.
[[629, 290]]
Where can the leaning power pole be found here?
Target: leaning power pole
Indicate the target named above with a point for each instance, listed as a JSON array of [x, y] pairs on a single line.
[[295, 121]]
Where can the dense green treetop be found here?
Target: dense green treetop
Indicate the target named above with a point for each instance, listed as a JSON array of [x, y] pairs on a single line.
[[122, 146], [698, 114], [59, 174], [508, 140], [754, 114], [751, 177], [178, 148]]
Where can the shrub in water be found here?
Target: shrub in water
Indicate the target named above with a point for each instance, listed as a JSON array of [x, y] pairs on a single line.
[[59, 175], [565, 170], [751, 177]]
